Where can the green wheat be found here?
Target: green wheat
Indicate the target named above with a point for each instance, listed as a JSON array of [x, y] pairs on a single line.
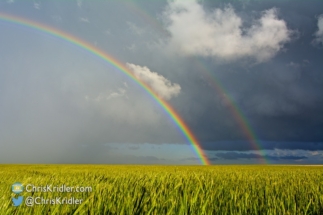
[[214, 190]]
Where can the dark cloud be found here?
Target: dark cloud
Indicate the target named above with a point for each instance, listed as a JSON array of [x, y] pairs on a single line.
[[134, 147], [261, 145], [55, 98], [192, 159], [238, 155], [280, 99]]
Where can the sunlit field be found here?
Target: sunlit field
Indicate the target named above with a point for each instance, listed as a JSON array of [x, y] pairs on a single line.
[[169, 189]]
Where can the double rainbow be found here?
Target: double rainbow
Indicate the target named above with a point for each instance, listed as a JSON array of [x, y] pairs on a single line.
[[211, 78]]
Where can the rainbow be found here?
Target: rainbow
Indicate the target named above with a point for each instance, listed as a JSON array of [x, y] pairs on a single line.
[[216, 85], [234, 109], [118, 65]]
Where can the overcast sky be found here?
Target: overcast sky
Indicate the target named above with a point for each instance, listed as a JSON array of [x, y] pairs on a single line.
[[246, 77]]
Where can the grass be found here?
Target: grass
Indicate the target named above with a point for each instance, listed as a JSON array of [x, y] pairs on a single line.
[[121, 189]]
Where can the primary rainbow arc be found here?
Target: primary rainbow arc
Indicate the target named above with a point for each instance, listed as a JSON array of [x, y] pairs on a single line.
[[121, 67]]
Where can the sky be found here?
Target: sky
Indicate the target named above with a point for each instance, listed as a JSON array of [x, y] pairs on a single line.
[[246, 77]]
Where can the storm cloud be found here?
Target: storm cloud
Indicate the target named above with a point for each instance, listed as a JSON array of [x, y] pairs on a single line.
[[237, 155], [243, 77]]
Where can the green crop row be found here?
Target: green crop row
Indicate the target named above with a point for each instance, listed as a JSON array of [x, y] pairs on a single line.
[[176, 190]]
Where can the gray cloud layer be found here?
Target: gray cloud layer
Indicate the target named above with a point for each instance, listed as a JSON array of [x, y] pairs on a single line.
[[263, 145], [237, 155]]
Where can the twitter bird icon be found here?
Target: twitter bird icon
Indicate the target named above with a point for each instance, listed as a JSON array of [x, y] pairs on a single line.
[[17, 201]]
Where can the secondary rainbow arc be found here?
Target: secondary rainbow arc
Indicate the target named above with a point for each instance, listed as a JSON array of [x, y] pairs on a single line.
[[188, 134], [238, 115], [234, 109]]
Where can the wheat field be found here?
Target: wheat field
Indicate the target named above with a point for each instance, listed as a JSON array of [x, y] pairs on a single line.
[[135, 189]]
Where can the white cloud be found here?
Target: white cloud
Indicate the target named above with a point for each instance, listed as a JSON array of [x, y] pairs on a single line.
[[57, 18], [132, 47], [121, 92], [107, 32], [84, 19], [135, 29], [37, 5], [221, 34], [163, 87], [79, 3], [319, 33], [107, 96]]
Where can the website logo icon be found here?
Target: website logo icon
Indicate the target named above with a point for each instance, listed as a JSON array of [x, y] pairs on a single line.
[[17, 188]]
